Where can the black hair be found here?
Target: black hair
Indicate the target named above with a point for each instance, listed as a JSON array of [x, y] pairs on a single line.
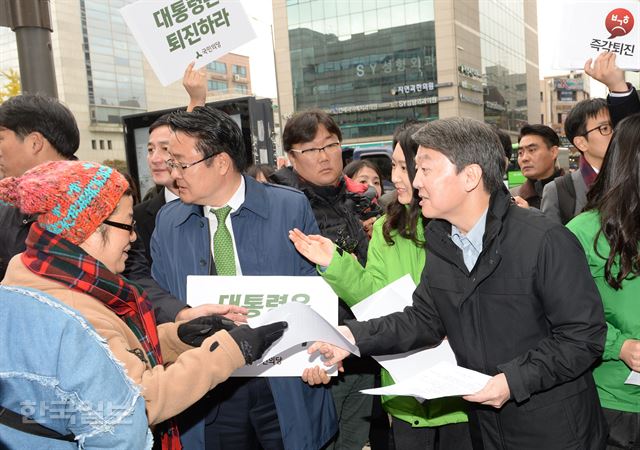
[[215, 131], [401, 219], [28, 113], [265, 169], [547, 134], [355, 166], [505, 140], [576, 122], [464, 142], [162, 121], [303, 126], [616, 196]]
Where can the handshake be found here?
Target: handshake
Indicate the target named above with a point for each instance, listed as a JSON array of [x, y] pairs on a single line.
[[253, 342]]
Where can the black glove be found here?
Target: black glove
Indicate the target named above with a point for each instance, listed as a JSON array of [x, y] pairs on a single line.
[[197, 330], [253, 342]]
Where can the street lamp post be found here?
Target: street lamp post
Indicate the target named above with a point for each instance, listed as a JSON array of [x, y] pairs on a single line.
[[31, 21]]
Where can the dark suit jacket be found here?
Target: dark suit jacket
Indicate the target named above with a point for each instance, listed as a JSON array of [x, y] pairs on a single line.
[[145, 216], [621, 107]]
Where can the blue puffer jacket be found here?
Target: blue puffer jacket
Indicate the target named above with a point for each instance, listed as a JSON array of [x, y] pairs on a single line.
[[180, 247]]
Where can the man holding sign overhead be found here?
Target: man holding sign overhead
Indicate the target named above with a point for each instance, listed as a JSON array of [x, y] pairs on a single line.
[[229, 224]]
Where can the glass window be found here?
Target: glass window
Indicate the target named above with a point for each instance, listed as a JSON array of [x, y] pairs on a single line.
[[240, 70], [217, 66], [241, 88], [216, 85]]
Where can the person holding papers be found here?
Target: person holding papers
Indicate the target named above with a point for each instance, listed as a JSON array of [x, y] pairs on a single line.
[[609, 233], [75, 250], [512, 292], [396, 249]]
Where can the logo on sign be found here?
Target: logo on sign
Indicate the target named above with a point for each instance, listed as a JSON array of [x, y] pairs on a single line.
[[619, 22]]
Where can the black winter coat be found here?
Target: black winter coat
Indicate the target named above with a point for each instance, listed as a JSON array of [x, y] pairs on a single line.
[[529, 309], [336, 219]]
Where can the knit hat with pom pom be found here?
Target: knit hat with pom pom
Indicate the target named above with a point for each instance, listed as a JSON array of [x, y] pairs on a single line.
[[70, 198]]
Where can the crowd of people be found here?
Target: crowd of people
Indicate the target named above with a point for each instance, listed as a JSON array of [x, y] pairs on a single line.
[[535, 287]]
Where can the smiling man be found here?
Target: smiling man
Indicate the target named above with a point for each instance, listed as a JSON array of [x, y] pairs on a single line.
[[229, 224], [525, 312], [537, 160]]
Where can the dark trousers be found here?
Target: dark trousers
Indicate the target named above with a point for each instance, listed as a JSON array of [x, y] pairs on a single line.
[[453, 436], [245, 417], [624, 429]]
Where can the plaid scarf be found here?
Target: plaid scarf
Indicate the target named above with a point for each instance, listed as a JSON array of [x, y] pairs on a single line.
[[588, 174], [53, 257]]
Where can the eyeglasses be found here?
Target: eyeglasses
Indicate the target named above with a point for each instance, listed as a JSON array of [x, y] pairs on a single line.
[[171, 164], [605, 130], [123, 226], [316, 151]]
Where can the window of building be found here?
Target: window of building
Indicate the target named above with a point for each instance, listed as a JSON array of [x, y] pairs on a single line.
[[109, 144], [567, 96], [240, 70], [241, 88], [215, 85], [101, 144], [93, 144], [217, 66], [541, 97]]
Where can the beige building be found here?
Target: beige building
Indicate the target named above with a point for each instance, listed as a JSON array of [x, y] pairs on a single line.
[[558, 95], [102, 75], [374, 64]]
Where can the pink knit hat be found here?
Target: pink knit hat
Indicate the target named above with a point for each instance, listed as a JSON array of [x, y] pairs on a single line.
[[71, 198]]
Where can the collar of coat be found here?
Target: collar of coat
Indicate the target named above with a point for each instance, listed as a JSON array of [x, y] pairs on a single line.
[[438, 232], [255, 200]]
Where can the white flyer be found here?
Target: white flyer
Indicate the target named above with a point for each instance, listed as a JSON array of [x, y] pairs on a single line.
[[173, 33], [442, 380], [261, 294], [392, 298]]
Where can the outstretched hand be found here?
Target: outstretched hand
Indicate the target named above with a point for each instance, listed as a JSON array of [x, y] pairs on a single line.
[[606, 71], [195, 83], [316, 248]]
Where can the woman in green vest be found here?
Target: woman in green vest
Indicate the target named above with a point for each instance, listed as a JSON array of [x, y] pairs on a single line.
[[396, 249], [609, 231]]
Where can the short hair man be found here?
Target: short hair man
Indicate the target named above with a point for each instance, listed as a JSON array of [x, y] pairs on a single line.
[[537, 160], [588, 127], [312, 142], [33, 130], [207, 160], [525, 311]]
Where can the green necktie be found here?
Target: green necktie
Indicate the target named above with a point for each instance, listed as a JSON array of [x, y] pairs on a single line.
[[224, 255]]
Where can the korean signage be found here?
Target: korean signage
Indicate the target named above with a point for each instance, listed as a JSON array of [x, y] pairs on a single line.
[[388, 105], [470, 72], [589, 28], [569, 84], [394, 65], [173, 33], [261, 294], [417, 88]]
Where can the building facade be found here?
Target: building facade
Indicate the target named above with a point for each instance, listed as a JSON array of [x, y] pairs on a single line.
[[373, 64], [558, 95], [102, 75]]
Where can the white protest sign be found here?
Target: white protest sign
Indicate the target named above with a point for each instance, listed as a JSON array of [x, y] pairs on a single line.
[[173, 33], [587, 28], [261, 294]]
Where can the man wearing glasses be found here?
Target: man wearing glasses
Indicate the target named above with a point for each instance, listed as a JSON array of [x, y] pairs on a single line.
[[229, 224], [537, 160], [312, 142], [588, 127]]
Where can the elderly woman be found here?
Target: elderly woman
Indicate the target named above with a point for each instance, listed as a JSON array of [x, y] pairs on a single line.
[[74, 252]]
